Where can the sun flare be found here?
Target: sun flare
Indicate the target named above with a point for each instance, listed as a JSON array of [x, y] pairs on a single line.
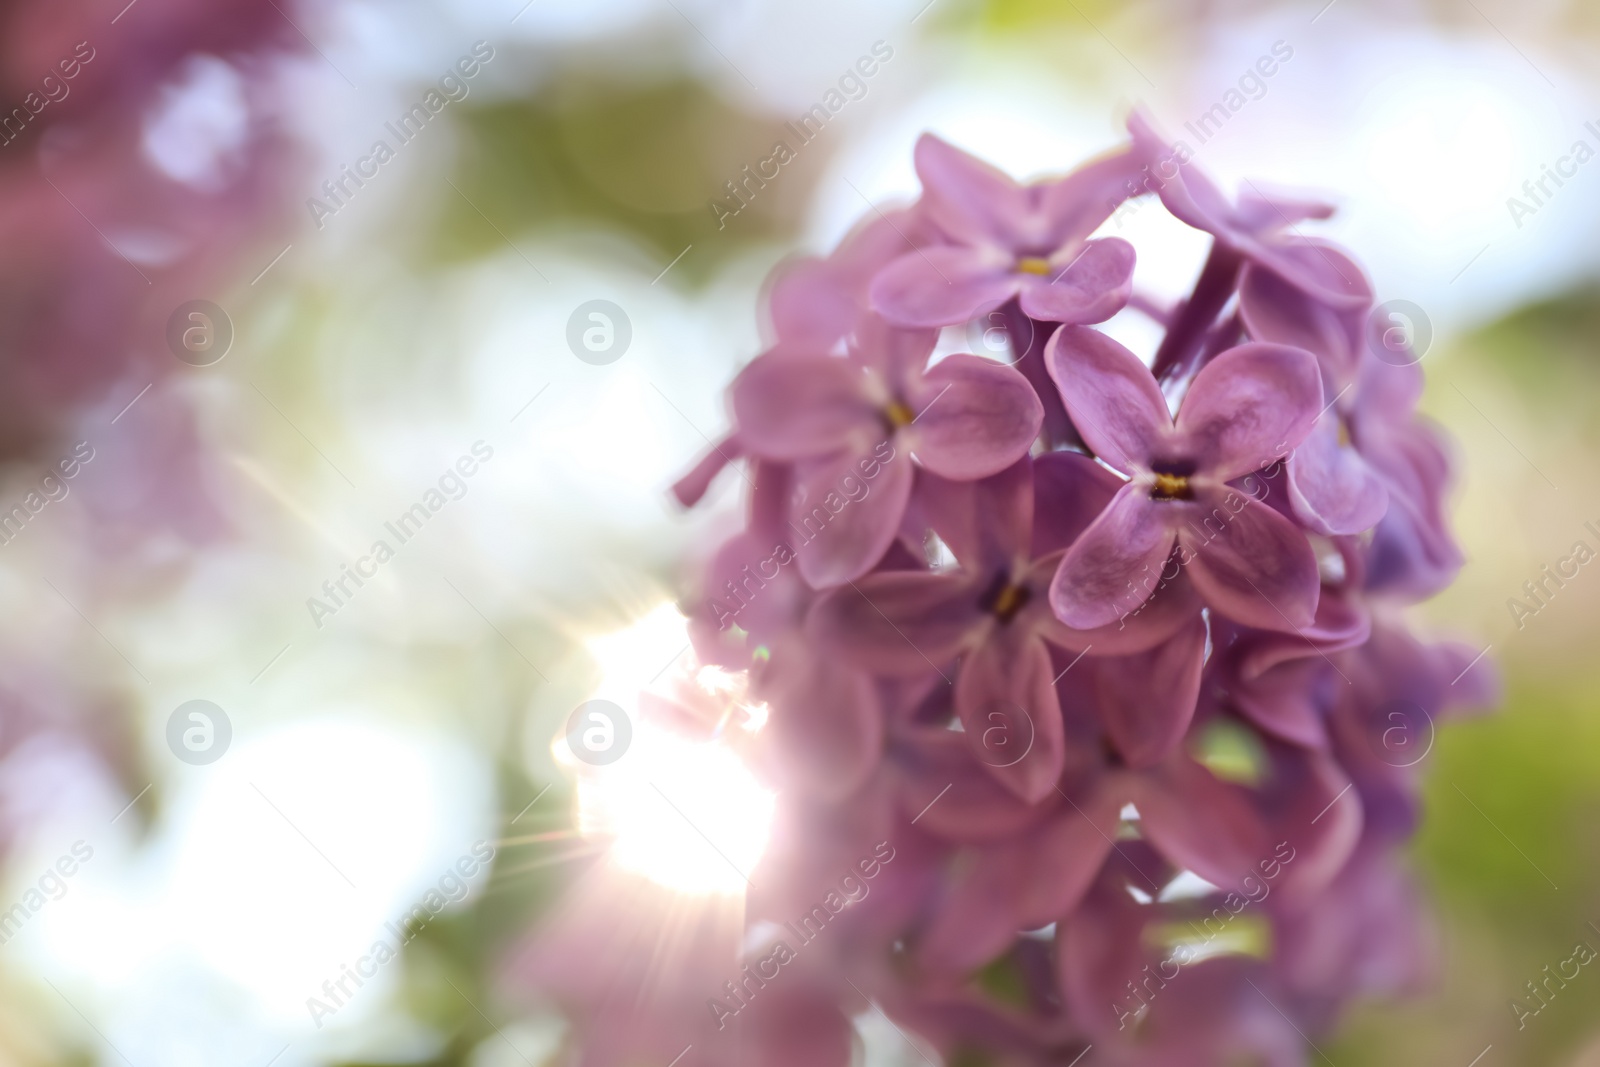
[[683, 811]]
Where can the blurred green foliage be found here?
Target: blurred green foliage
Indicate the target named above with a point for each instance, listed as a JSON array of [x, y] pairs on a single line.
[[1531, 767], [642, 161], [1547, 349]]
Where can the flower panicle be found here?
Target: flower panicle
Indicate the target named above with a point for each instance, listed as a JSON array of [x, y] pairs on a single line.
[[1108, 646]]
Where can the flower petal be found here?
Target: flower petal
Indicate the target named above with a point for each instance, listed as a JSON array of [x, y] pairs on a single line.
[[986, 523], [793, 405], [1198, 821], [1249, 406], [1066, 853], [1250, 563], [1112, 397], [692, 486], [1275, 310], [974, 418], [1413, 552], [1254, 228], [1078, 204], [896, 353], [946, 791], [815, 302], [900, 622], [1007, 702], [1332, 489], [767, 598], [1185, 191], [1057, 430], [967, 198], [848, 535], [1069, 492], [771, 487], [942, 285], [1342, 622], [1101, 950], [1320, 268], [826, 729], [1477, 681], [1100, 578], [1147, 700], [1172, 603], [1091, 287], [799, 1026], [1015, 885], [1261, 211], [981, 911], [1283, 701], [1378, 933], [1307, 800]]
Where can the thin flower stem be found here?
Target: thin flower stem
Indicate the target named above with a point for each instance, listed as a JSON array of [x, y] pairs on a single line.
[[1192, 321], [1057, 428]]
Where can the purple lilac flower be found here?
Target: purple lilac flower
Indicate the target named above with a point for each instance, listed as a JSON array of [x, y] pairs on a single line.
[[994, 613], [100, 242], [1253, 229], [101, 238], [851, 424], [1243, 409], [816, 301], [1178, 580], [1006, 240]]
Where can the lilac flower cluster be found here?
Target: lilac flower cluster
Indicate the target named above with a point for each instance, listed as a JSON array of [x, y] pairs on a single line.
[[121, 197], [1102, 645], [143, 154]]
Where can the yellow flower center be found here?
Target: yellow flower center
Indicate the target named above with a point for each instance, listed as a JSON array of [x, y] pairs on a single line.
[[1033, 265], [1008, 600], [897, 414], [1170, 486]]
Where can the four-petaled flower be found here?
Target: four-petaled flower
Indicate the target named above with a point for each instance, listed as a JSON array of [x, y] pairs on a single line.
[[1103, 687], [852, 424], [1008, 240], [1242, 411]]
